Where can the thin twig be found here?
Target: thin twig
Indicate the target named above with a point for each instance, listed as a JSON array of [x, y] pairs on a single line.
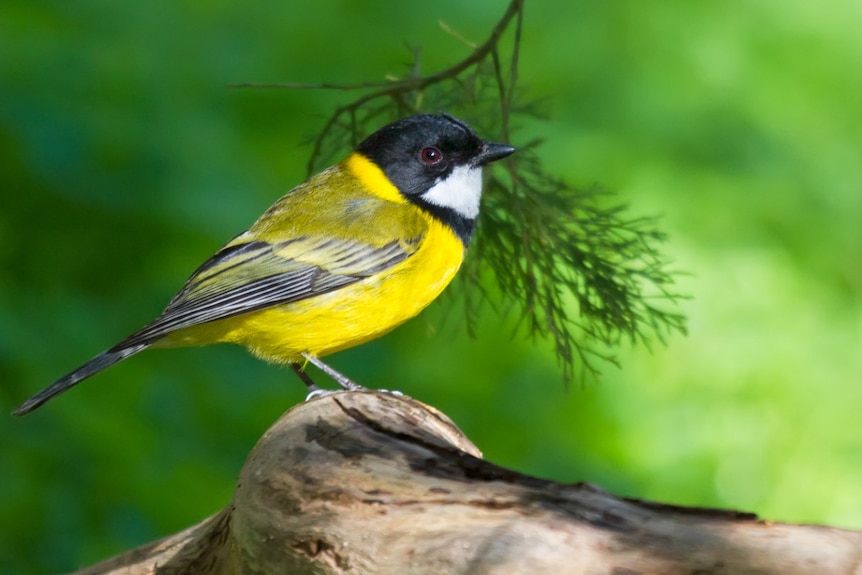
[[396, 88], [411, 83]]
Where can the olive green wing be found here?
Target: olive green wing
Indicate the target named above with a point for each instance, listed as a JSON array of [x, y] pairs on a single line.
[[250, 275], [322, 235], [246, 277]]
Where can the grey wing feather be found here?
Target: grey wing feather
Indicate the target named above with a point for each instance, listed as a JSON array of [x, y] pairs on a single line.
[[211, 295]]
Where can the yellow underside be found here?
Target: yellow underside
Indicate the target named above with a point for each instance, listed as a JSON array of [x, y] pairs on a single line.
[[345, 317]]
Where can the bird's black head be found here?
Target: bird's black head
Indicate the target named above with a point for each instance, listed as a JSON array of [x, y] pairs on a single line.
[[435, 162]]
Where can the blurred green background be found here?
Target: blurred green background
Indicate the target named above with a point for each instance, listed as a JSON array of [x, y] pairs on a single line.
[[126, 161]]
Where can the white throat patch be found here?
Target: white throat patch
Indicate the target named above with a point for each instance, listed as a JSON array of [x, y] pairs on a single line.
[[461, 191]]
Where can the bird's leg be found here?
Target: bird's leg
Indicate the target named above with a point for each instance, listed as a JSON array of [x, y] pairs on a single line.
[[313, 391], [339, 378], [306, 379]]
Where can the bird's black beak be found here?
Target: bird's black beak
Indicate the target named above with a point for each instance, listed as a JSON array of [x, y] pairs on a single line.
[[491, 153]]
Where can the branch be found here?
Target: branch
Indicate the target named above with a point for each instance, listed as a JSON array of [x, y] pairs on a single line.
[[365, 482], [394, 89], [409, 84]]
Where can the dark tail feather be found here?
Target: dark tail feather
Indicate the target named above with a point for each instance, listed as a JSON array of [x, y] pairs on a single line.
[[102, 361]]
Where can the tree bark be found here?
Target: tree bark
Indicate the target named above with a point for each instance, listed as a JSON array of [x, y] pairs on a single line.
[[369, 482]]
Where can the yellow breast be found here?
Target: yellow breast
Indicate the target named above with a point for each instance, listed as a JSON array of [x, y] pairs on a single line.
[[348, 316]]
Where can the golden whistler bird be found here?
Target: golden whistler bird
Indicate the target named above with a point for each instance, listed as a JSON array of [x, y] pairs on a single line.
[[339, 260]]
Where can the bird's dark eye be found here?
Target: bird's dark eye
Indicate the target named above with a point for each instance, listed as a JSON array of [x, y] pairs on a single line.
[[431, 155]]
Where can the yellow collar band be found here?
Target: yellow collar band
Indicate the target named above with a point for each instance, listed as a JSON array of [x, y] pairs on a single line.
[[373, 179]]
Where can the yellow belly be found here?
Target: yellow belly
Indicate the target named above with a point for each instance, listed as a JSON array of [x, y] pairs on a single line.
[[345, 317]]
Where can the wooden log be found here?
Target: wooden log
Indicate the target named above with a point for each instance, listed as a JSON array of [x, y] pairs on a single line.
[[370, 482]]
